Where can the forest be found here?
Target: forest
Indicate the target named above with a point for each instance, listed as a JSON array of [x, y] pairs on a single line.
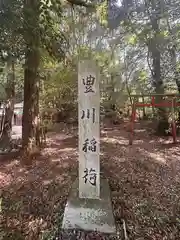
[[136, 45]]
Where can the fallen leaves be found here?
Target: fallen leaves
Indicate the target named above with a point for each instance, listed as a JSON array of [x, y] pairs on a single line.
[[149, 193], [144, 180]]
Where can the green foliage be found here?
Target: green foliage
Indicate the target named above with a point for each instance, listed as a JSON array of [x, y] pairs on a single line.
[[65, 34], [59, 87], [102, 12]]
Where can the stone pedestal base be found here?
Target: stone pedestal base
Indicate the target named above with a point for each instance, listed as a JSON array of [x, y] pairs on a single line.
[[89, 214]]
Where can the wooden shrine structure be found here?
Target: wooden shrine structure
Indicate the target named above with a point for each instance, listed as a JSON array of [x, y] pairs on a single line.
[[166, 100]]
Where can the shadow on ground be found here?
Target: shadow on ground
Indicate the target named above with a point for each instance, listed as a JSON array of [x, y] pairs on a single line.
[[33, 198], [144, 180]]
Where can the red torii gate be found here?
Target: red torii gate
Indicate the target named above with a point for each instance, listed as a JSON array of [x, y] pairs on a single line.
[[172, 104]]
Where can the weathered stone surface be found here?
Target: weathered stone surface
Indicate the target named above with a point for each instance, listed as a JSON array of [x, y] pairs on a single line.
[[88, 111], [89, 214], [82, 235]]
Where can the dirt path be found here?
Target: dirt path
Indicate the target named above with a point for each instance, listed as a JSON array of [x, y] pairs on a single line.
[[144, 180]]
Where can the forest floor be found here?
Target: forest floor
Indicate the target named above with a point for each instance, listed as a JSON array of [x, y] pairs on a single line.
[[144, 180]]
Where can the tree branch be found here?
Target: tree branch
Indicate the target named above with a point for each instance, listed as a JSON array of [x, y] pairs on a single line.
[[81, 3]]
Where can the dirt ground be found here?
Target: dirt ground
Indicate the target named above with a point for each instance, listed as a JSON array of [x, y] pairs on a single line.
[[144, 180]]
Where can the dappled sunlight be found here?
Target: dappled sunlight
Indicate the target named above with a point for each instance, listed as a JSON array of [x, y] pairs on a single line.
[[35, 193], [5, 180], [76, 73], [63, 179], [47, 182], [114, 141], [66, 150], [55, 160], [174, 152], [57, 136], [143, 177], [49, 151], [161, 159], [34, 225], [118, 160], [121, 141], [138, 142], [12, 164], [140, 130], [58, 151]]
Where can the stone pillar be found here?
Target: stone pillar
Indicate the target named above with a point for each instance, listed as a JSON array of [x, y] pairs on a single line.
[[89, 129], [88, 208]]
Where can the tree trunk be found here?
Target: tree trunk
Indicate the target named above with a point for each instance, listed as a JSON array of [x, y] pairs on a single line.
[[144, 108], [30, 120], [173, 54], [154, 48], [176, 72], [9, 106]]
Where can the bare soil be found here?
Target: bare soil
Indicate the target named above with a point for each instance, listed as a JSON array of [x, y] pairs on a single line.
[[144, 180]]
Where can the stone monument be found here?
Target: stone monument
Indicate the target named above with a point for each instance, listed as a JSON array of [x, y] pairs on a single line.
[[89, 106], [89, 205]]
